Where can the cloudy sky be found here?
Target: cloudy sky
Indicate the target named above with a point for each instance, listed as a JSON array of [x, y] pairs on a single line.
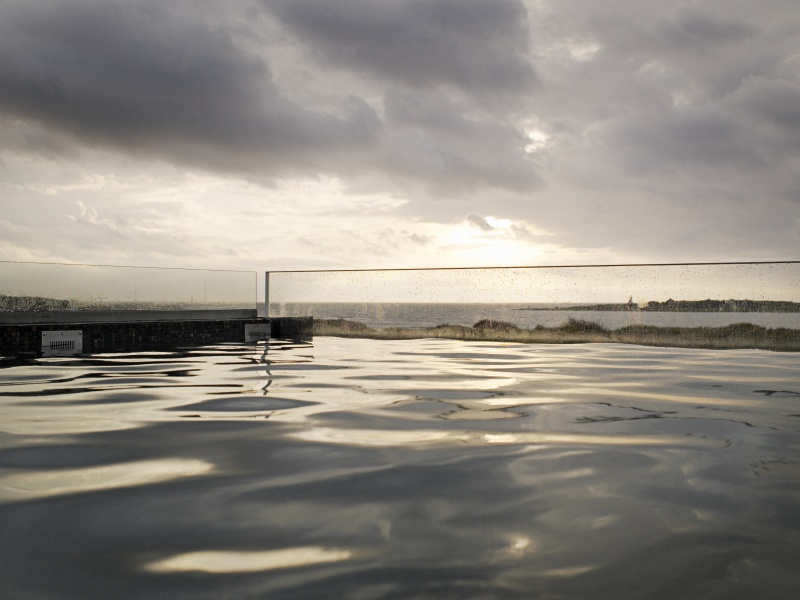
[[281, 134]]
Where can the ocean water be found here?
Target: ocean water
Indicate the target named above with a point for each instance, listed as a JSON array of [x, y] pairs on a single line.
[[375, 314], [361, 469]]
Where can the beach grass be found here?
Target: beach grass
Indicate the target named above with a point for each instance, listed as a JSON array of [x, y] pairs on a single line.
[[739, 335]]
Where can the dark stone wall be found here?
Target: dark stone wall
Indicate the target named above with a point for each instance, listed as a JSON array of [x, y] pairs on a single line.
[[298, 328], [26, 340]]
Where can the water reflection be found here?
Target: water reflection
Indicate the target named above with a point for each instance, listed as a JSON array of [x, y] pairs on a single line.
[[39, 484], [402, 469], [231, 561]]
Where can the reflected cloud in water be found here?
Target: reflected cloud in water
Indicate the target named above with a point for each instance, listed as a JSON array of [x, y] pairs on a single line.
[[231, 561], [417, 438], [402, 469], [41, 484]]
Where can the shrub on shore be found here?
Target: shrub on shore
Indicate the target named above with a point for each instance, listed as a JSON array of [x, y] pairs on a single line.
[[581, 326], [321, 326], [495, 325]]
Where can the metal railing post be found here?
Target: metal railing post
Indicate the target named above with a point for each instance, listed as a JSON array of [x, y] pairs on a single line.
[[266, 294]]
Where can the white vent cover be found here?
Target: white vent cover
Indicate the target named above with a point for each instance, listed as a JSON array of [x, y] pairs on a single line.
[[62, 343], [256, 332]]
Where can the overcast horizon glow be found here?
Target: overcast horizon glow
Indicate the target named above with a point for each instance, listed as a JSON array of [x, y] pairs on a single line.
[[310, 134]]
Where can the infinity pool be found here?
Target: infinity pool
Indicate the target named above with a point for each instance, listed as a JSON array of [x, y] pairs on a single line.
[[364, 469]]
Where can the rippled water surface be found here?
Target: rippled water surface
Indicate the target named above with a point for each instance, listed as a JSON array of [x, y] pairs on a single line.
[[364, 469]]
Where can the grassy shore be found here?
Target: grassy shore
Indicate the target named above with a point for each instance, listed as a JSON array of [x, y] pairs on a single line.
[[739, 335]]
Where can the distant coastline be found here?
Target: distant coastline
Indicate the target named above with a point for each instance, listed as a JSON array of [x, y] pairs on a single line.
[[30, 304], [733, 306]]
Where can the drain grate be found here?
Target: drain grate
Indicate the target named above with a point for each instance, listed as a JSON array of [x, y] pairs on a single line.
[[70, 345], [62, 343]]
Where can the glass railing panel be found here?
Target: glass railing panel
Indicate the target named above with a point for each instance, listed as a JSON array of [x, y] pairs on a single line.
[[562, 303], [37, 287]]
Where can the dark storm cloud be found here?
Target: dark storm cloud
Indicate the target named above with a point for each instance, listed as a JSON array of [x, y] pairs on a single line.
[[123, 70], [775, 102], [666, 119], [692, 26], [611, 124], [694, 83], [479, 46], [479, 222], [676, 31], [433, 139], [699, 139], [192, 83], [155, 77]]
